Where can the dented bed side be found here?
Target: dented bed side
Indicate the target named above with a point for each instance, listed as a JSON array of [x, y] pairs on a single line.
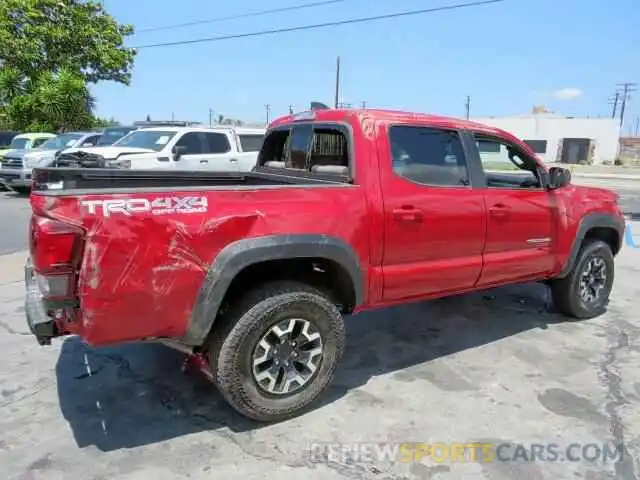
[[146, 256]]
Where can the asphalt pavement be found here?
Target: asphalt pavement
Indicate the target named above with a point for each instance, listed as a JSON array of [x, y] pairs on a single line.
[[493, 386]]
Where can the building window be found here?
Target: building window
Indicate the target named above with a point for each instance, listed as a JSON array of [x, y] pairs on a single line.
[[538, 146]]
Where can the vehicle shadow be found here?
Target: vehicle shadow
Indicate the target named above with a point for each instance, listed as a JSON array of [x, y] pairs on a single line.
[[136, 394], [8, 192]]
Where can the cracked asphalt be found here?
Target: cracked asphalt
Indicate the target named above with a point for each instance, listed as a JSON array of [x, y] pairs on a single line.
[[495, 366]]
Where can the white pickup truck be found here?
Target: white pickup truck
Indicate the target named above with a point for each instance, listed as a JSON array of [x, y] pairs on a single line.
[[216, 148]]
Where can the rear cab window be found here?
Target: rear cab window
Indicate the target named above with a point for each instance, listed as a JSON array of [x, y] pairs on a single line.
[[311, 150]]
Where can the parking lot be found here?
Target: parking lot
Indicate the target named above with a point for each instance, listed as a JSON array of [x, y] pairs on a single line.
[[496, 367]]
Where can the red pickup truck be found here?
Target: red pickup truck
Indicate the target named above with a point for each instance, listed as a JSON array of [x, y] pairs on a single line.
[[346, 210]]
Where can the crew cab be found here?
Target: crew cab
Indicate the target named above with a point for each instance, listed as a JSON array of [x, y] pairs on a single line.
[[175, 148], [346, 211]]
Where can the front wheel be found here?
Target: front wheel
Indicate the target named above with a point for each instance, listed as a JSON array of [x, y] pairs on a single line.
[[276, 350], [584, 293]]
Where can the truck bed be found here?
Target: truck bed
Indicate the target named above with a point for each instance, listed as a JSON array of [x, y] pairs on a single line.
[[52, 181]]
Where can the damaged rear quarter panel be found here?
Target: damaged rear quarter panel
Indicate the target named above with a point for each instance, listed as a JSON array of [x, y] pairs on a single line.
[[141, 273]]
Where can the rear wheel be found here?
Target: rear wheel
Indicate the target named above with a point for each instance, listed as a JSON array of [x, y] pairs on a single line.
[[276, 350], [584, 293]]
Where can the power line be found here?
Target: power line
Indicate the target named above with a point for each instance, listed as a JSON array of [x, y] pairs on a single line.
[[240, 15], [322, 25]]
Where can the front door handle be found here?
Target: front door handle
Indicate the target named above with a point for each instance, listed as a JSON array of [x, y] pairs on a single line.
[[408, 213], [499, 210], [204, 161], [233, 160]]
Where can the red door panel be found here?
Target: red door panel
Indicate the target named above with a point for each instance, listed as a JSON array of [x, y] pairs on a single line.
[[519, 235], [434, 235]]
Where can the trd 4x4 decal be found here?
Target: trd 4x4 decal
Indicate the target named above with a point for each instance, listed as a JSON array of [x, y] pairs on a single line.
[[158, 206]]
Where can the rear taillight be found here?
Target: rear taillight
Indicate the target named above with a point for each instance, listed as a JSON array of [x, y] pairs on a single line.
[[55, 252]]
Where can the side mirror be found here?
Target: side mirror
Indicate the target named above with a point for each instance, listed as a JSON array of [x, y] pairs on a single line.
[[178, 151], [559, 177]]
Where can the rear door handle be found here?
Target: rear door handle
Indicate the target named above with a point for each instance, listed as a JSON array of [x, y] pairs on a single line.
[[233, 159], [408, 213], [204, 161]]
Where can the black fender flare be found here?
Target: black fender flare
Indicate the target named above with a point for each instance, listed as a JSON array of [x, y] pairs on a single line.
[[593, 220], [240, 254]]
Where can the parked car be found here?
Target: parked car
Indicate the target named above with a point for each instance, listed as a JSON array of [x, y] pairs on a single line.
[[18, 164], [111, 135], [176, 148], [5, 141], [345, 211], [26, 141]]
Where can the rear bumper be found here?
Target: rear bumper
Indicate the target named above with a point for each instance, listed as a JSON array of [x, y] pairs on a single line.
[[41, 325]]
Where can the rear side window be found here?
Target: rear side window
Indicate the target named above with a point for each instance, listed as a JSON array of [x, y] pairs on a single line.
[[251, 143], [215, 143], [428, 156], [314, 148], [191, 142]]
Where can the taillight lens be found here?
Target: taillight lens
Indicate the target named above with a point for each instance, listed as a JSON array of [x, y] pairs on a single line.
[[55, 246], [55, 253]]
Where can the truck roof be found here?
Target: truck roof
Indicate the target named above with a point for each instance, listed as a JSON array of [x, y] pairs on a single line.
[[220, 128], [387, 116]]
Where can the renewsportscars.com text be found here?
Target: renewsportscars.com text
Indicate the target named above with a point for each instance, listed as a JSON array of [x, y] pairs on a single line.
[[441, 452]]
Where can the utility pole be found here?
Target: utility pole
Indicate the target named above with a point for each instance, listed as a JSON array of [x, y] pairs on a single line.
[[210, 117], [337, 97], [627, 88], [173, 117], [267, 109], [290, 109], [468, 105], [363, 104], [614, 102], [636, 130]]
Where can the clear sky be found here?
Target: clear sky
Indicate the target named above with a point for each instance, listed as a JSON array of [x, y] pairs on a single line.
[[566, 54]]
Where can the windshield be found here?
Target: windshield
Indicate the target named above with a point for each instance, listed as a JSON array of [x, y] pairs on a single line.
[[61, 141], [19, 143], [152, 139], [112, 135]]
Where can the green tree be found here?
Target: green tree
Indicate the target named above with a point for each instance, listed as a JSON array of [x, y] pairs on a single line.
[[52, 102], [51, 35], [49, 51], [104, 123]]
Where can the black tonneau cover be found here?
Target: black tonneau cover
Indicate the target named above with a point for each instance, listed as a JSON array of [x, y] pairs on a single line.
[[57, 179]]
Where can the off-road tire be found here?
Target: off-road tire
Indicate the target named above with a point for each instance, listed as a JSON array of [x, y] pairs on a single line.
[[235, 335], [565, 291]]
